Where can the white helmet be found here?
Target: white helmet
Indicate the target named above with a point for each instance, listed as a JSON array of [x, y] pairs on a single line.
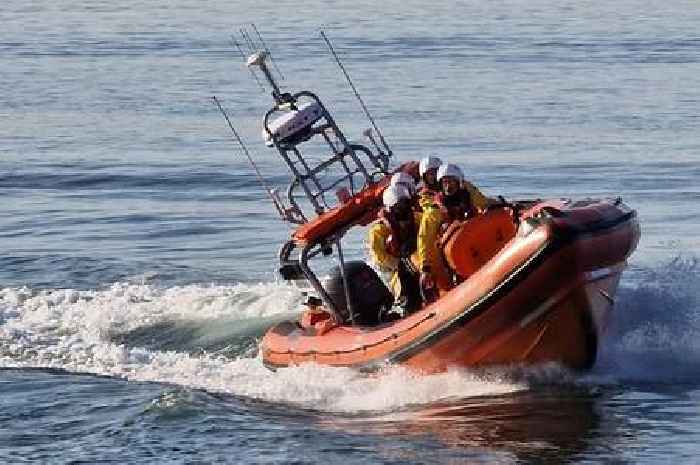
[[393, 194], [450, 170], [405, 180], [428, 163]]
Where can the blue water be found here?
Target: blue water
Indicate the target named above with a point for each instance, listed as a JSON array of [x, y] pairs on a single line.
[[138, 252]]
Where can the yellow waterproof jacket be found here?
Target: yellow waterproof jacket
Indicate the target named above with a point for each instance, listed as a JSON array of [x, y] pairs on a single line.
[[377, 237], [428, 253], [479, 200], [427, 197]]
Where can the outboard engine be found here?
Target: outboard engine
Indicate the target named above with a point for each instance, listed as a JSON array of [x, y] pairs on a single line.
[[369, 296]]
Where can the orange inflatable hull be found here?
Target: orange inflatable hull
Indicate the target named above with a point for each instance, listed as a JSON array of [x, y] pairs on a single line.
[[545, 296]]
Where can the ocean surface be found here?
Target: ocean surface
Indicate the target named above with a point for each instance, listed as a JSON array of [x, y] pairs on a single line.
[[138, 253]]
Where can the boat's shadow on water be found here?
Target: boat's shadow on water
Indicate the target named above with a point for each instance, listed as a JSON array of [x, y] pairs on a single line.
[[551, 426]]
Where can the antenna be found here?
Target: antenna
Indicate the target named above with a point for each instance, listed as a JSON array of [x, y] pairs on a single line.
[[274, 63], [258, 59], [357, 94], [287, 214], [257, 54], [240, 50], [368, 134], [247, 39]]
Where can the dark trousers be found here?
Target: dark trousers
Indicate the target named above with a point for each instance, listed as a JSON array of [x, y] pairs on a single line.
[[410, 287]]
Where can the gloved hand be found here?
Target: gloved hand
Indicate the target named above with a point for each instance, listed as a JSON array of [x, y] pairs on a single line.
[[428, 289]]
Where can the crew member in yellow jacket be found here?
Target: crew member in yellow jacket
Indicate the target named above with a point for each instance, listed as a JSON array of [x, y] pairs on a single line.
[[430, 187], [391, 242], [457, 200]]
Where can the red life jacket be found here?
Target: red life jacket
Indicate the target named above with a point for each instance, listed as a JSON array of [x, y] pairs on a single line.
[[402, 241], [457, 206]]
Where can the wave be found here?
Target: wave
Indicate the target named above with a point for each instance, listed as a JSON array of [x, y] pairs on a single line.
[[202, 337], [206, 336], [654, 335], [125, 177]]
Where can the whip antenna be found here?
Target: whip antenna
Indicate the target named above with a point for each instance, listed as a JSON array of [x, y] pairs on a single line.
[[270, 192], [267, 49], [247, 39], [240, 50], [357, 94]]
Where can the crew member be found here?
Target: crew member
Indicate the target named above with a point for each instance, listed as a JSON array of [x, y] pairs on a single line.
[[430, 187], [406, 180], [392, 241], [458, 198], [434, 276]]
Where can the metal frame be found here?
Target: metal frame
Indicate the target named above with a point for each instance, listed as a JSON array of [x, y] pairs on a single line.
[[306, 177]]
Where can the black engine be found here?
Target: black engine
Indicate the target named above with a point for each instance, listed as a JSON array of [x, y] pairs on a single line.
[[369, 296]]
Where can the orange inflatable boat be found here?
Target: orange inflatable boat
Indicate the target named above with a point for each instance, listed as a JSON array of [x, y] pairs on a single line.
[[538, 292], [537, 278]]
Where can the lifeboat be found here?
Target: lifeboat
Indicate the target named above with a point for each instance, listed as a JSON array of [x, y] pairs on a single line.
[[539, 283], [537, 279]]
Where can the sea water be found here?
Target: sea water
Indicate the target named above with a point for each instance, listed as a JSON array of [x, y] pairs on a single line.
[[138, 252]]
